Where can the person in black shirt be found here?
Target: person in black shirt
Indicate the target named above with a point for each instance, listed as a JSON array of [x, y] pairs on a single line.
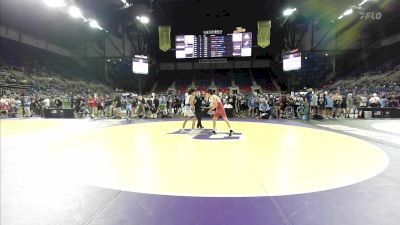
[[117, 106], [153, 103], [108, 105], [198, 111], [78, 103], [58, 103], [232, 101], [177, 105]]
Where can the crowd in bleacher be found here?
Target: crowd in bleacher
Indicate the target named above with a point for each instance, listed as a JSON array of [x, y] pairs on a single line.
[[30, 85]]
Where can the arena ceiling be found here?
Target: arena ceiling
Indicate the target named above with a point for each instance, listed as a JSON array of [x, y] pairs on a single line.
[[185, 16]]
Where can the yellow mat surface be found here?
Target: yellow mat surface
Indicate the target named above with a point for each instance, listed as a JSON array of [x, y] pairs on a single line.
[[266, 159]]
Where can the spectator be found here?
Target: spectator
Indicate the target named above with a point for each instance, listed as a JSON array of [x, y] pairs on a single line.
[[263, 106], [92, 104], [117, 104], [46, 102], [350, 107], [337, 103], [128, 107], [251, 104], [321, 104], [383, 101], [58, 103], [26, 104], [363, 101], [314, 104], [329, 106], [374, 101]]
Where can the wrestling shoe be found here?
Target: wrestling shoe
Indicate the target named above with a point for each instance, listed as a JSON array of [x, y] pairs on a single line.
[[213, 132], [230, 133]]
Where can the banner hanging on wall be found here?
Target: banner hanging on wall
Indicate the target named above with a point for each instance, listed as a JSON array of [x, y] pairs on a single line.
[[165, 37], [264, 33]]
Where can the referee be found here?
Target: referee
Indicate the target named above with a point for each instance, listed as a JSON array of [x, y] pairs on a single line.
[[198, 110]]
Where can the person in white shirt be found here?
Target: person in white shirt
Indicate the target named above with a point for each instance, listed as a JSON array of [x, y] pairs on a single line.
[[189, 109], [363, 101], [350, 105], [46, 102], [227, 105], [374, 101]]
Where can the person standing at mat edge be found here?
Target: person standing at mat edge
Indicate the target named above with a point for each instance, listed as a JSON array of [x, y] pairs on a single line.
[[219, 110], [189, 109]]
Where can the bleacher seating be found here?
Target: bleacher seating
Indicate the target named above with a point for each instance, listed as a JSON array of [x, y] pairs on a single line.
[[223, 90], [203, 80], [183, 82], [263, 77], [165, 81], [222, 81], [243, 80], [315, 68], [36, 70]]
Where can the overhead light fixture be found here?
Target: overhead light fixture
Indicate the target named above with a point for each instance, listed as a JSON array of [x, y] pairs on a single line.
[[94, 24], [125, 3], [75, 12], [348, 12], [143, 19], [289, 12], [54, 3], [363, 2]]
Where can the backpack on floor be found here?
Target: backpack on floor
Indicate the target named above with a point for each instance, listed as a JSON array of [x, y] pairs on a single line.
[[318, 117]]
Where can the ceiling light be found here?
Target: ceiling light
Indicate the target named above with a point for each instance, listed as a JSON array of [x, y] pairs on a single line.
[[54, 3], [95, 24], [125, 3], [75, 12], [289, 12], [144, 19], [348, 12], [363, 2]]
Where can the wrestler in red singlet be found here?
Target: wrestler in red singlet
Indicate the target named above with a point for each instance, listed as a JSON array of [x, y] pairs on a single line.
[[219, 110]]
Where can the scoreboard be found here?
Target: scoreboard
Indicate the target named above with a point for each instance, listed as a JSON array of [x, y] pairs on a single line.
[[213, 45]]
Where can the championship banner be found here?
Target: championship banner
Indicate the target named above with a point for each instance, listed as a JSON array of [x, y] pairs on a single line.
[[165, 37], [264, 33]]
